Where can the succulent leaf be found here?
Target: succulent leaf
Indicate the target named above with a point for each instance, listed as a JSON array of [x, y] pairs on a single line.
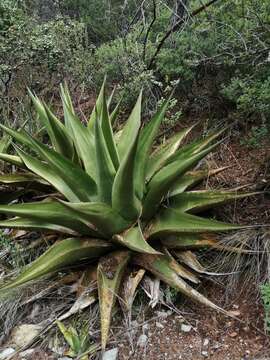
[[110, 272], [58, 256]]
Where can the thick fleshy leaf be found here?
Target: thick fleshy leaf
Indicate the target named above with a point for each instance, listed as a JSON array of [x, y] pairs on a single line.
[[97, 108], [34, 224], [12, 159], [162, 267], [129, 287], [83, 140], [146, 139], [196, 201], [114, 113], [57, 132], [130, 130], [124, 199], [191, 179], [104, 165], [52, 212], [63, 253], [110, 272], [46, 172], [194, 148], [190, 259], [181, 270], [171, 221], [108, 133], [190, 241], [133, 239], [162, 181], [106, 220], [20, 178], [25, 180], [83, 185], [164, 151]]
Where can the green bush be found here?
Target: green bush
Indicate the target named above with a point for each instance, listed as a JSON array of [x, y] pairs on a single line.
[[265, 292]]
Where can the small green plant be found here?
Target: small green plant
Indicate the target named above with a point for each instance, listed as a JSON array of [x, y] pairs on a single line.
[[265, 293], [258, 133], [78, 342]]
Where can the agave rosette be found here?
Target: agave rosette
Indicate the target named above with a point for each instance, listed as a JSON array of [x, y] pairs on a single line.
[[118, 203]]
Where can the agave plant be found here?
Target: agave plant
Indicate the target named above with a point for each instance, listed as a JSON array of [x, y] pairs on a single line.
[[118, 204]]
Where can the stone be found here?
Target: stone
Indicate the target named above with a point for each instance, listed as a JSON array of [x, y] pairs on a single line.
[[205, 342], [110, 354], [159, 325], [27, 353], [22, 335], [4, 354], [186, 328], [142, 340], [204, 353]]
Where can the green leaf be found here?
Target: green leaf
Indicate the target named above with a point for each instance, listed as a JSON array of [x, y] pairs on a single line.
[[194, 148], [105, 168], [107, 132], [124, 199], [83, 140], [133, 239], [163, 268], [110, 272], [130, 130], [106, 220], [57, 132], [12, 159], [163, 152], [146, 139], [51, 212], [34, 224], [82, 185], [52, 176], [174, 222], [196, 201], [191, 179], [114, 113], [162, 181], [98, 107], [63, 253]]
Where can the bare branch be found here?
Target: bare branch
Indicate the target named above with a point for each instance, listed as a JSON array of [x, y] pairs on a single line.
[[174, 28]]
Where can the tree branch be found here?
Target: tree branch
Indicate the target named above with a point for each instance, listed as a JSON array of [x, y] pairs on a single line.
[[174, 28]]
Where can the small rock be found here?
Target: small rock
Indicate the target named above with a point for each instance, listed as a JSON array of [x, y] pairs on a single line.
[[186, 328], [64, 358], [205, 342], [22, 335], [142, 340], [205, 353], [6, 352], [110, 354], [233, 334], [145, 327], [159, 325], [25, 354]]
